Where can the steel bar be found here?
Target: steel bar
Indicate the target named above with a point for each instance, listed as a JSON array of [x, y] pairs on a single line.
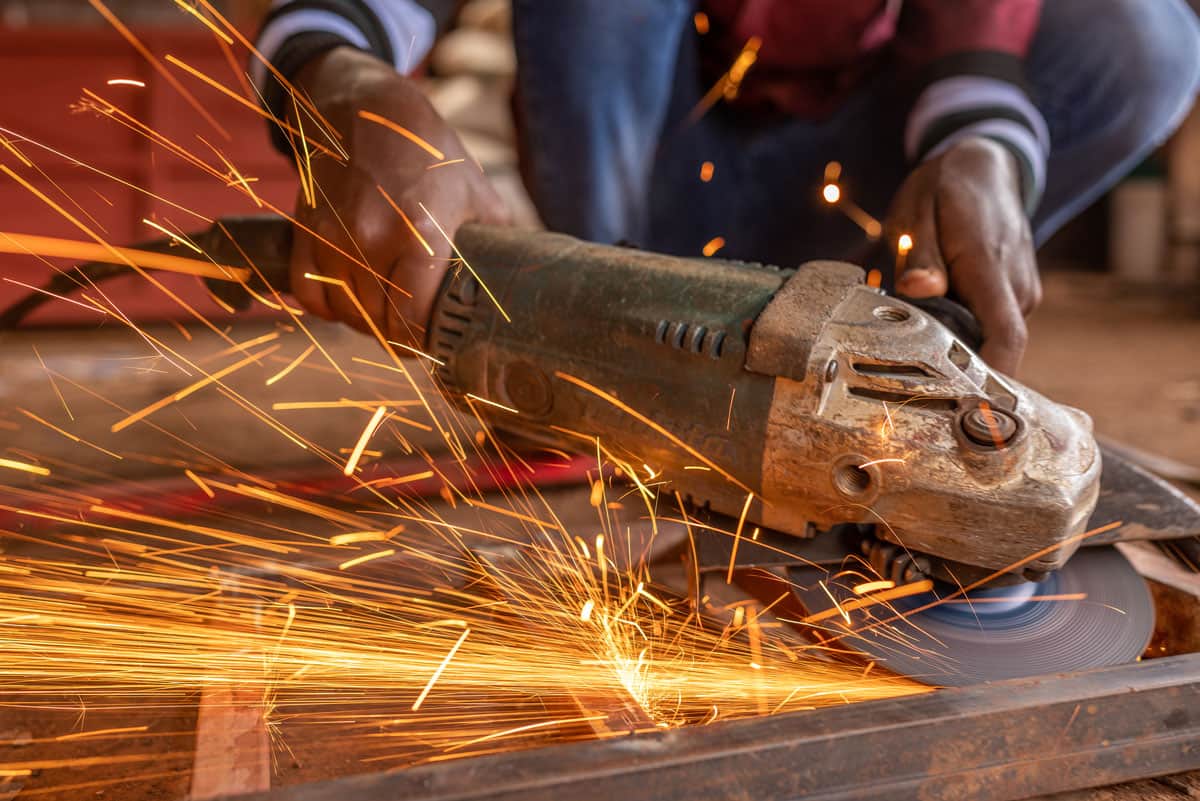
[[994, 742]]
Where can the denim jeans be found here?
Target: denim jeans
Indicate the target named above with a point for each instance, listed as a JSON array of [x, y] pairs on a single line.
[[604, 87]]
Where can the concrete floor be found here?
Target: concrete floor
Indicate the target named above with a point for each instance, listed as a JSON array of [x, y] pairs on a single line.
[[1132, 362]]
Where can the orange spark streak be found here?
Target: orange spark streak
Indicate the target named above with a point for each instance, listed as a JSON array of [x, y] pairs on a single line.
[[291, 366], [441, 668], [407, 221], [53, 383], [445, 163], [492, 403], [199, 482], [872, 586], [737, 537], [352, 537], [206, 21], [126, 82], [881, 461], [174, 237], [11, 148], [466, 264], [358, 560], [345, 403], [579, 382], [157, 65], [903, 591], [188, 390], [27, 468], [416, 352], [713, 245], [407, 134], [376, 419], [67, 434], [79, 735], [61, 297], [56, 248], [529, 727], [397, 480]]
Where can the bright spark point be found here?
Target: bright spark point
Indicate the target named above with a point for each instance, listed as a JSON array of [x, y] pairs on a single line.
[[832, 193], [713, 245], [356, 454], [904, 244], [358, 560], [586, 613], [126, 82], [872, 586], [706, 171]]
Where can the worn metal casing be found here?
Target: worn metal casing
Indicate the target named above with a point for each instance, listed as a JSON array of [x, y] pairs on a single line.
[[826, 400]]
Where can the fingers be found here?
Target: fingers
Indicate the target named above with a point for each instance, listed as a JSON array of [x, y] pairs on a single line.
[[1004, 333], [989, 288]]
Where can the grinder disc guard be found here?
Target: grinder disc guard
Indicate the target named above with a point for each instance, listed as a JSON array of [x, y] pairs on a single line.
[[1005, 632]]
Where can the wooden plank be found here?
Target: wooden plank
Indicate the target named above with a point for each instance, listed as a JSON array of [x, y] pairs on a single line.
[[233, 748]]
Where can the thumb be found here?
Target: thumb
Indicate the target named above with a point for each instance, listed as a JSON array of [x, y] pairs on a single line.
[[920, 268]]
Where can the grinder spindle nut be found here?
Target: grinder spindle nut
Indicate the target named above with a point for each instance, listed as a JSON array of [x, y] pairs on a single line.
[[989, 427]]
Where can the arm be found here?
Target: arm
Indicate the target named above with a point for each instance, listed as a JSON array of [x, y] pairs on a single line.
[[980, 148], [348, 56]]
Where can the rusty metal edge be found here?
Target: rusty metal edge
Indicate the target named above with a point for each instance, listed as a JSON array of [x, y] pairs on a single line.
[[993, 742]]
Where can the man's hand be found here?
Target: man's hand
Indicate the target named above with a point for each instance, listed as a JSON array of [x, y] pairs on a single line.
[[400, 282], [964, 213]]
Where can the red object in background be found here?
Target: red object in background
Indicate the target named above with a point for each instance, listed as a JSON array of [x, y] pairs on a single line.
[[43, 73]]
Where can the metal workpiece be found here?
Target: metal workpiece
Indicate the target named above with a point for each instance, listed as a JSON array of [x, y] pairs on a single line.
[[991, 742]]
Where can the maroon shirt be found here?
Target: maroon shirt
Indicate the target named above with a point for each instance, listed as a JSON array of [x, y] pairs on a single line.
[[815, 52]]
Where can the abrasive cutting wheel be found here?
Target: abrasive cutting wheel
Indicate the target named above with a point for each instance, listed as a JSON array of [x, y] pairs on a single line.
[[1095, 611]]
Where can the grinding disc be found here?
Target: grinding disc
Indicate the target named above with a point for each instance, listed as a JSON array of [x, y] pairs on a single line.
[[1006, 632]]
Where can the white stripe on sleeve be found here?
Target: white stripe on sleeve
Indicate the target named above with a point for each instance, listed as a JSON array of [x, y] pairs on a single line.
[[1010, 132], [964, 93]]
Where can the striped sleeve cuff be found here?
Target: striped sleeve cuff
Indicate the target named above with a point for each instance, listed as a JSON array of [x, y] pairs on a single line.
[[400, 32], [962, 106]]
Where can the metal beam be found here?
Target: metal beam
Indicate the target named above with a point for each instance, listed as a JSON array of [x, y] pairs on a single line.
[[993, 742]]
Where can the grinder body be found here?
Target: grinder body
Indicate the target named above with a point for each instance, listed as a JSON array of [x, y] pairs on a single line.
[[814, 395]]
